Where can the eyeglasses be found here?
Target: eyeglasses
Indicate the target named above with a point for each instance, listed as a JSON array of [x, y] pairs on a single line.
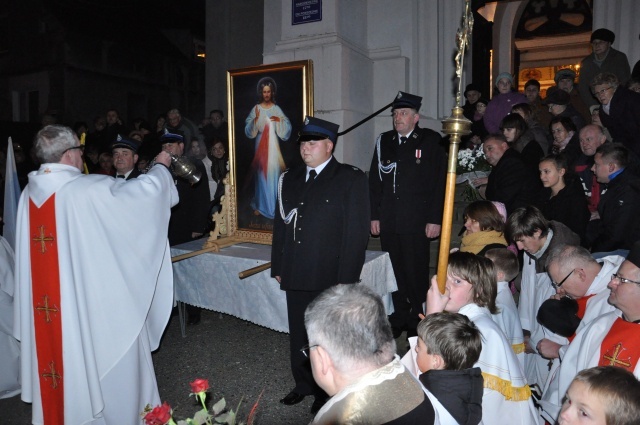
[[616, 276], [557, 285], [307, 349], [601, 92], [80, 147]]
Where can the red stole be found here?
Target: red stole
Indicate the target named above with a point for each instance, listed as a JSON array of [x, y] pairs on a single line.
[[45, 283], [582, 308], [621, 347]]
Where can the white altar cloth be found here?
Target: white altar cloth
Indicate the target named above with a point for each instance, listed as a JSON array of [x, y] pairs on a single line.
[[211, 281]]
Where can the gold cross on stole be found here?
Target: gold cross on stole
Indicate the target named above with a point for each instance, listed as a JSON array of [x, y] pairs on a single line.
[[42, 239]]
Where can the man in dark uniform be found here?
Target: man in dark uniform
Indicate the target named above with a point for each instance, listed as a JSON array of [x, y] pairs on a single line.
[[406, 182], [125, 157], [320, 235], [189, 217]]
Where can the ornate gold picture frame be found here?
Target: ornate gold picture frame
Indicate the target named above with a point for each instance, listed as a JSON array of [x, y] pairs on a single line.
[[266, 108]]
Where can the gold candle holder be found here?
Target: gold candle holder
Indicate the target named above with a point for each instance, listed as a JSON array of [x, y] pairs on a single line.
[[455, 126]]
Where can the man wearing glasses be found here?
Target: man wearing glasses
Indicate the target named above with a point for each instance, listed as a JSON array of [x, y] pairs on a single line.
[[604, 58], [406, 184], [609, 340], [620, 110], [352, 354], [94, 285], [576, 274], [537, 237]]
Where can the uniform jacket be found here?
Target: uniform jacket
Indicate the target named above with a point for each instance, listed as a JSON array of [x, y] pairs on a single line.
[[405, 201], [326, 243], [134, 173], [190, 215]]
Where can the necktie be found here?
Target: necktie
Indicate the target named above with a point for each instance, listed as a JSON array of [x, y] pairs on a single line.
[[312, 176], [120, 176], [403, 140]]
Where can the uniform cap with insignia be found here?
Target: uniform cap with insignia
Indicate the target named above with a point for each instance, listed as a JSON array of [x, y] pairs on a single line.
[[123, 142], [407, 100], [317, 129], [171, 135]]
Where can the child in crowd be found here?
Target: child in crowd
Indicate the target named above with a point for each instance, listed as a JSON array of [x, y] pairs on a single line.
[[605, 395], [507, 318], [449, 345], [471, 290]]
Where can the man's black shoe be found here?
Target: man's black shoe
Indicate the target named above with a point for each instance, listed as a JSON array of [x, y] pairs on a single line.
[[317, 405], [292, 398]]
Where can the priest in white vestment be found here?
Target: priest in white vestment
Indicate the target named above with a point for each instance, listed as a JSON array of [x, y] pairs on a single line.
[[609, 340], [94, 286], [9, 346]]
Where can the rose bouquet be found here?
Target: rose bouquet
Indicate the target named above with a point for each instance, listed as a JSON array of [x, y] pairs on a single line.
[[472, 164], [163, 414]]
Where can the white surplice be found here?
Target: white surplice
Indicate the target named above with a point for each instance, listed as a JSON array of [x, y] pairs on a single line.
[[500, 367], [583, 353], [511, 405], [9, 346], [536, 289], [116, 289], [508, 320]]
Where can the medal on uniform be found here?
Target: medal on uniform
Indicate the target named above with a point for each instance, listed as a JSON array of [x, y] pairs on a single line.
[[418, 155]]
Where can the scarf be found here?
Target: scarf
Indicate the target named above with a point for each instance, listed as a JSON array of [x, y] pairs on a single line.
[[475, 242]]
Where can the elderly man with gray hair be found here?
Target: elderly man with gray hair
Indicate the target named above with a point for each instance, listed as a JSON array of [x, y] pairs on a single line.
[[352, 353]]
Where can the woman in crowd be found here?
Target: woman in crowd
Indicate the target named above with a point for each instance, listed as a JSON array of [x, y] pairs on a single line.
[[563, 197], [502, 102], [520, 138], [566, 138], [483, 228], [540, 133]]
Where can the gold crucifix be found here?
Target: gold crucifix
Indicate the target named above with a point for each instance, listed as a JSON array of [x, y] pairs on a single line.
[[53, 374], [46, 308], [42, 239], [613, 359]]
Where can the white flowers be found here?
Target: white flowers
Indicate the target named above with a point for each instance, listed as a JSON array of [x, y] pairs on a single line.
[[471, 160]]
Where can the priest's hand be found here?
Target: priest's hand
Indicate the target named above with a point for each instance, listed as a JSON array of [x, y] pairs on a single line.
[[163, 158], [548, 349], [436, 302]]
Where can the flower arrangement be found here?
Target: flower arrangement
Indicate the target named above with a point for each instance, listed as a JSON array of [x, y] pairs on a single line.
[[163, 414], [470, 160], [472, 164]]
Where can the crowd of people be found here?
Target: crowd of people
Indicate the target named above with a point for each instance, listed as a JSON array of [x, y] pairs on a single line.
[[541, 305]]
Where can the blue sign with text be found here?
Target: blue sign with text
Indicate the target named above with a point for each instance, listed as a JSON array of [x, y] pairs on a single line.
[[305, 11]]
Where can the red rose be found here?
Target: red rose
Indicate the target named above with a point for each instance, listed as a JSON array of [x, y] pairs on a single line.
[[199, 386], [160, 415]]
